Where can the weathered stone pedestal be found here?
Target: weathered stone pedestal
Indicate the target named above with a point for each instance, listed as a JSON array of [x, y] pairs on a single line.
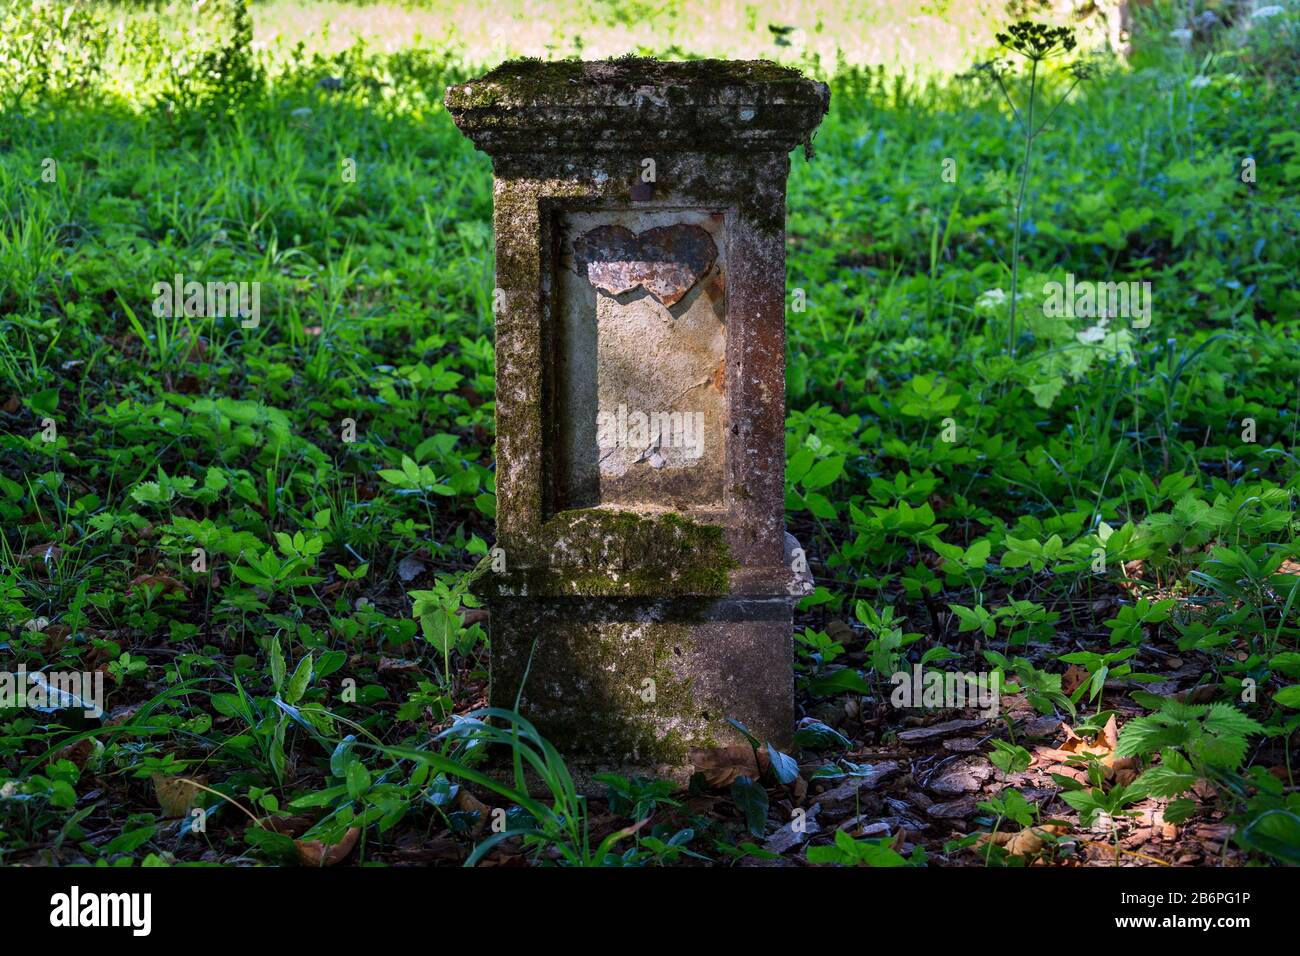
[[640, 225]]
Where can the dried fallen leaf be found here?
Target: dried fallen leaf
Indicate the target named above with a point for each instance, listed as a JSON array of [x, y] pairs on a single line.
[[41, 557], [1026, 843], [198, 347], [720, 766], [1200, 694], [176, 795], [168, 583], [1110, 734], [1121, 770], [292, 826], [1073, 677], [316, 853], [77, 753], [56, 635], [469, 803]]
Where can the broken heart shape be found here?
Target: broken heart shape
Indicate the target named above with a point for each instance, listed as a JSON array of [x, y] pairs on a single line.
[[666, 261]]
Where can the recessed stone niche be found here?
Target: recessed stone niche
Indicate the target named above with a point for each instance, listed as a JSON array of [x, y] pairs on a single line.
[[641, 360], [639, 212]]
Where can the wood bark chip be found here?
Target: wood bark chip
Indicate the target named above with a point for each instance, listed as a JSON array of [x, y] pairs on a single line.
[[946, 729], [848, 790], [316, 853], [964, 776], [787, 838], [953, 809]]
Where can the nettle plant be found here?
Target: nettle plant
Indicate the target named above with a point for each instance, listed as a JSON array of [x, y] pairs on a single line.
[[1195, 742]]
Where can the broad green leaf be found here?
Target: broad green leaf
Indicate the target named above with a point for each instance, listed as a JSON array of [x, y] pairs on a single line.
[[751, 798]]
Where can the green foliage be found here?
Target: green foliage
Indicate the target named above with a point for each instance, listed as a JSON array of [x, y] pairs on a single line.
[[1071, 482], [1100, 668], [1092, 802], [846, 851], [1212, 736], [1126, 627], [1009, 757]]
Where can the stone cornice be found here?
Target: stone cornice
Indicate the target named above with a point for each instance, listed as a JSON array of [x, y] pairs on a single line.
[[624, 105]]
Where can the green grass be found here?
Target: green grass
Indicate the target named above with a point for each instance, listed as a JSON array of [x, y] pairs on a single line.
[[1086, 474]]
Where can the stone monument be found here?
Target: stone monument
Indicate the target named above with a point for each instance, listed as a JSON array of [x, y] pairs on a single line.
[[640, 399]]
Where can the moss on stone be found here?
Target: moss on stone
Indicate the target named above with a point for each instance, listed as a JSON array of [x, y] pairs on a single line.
[[531, 81], [615, 721], [526, 80], [604, 552], [584, 685]]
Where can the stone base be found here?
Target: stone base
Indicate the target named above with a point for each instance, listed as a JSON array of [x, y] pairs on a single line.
[[631, 685]]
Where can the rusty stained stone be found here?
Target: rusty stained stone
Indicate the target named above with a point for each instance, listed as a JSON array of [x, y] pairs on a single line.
[[665, 261]]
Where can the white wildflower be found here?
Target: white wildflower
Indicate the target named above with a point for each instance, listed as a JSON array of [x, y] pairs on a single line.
[[1094, 334]]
